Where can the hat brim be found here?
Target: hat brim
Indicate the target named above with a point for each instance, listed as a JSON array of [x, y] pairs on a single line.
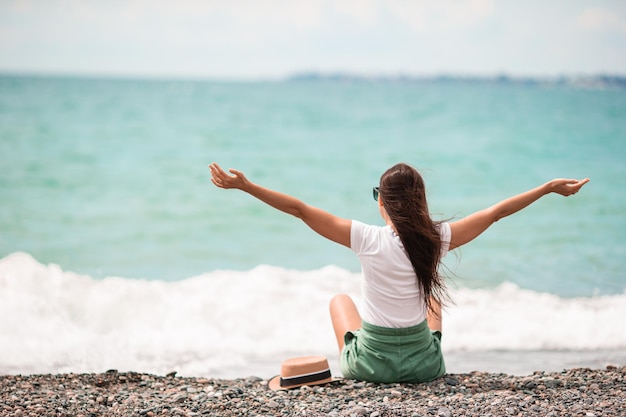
[[274, 383]]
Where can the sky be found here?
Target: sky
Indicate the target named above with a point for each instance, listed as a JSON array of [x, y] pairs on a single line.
[[252, 39]]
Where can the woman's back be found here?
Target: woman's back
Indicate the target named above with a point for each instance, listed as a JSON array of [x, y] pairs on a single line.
[[391, 293]]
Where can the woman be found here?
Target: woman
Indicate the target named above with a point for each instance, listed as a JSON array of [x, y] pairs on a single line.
[[396, 337]]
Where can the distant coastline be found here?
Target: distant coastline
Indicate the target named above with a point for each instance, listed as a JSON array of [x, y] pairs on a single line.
[[581, 81], [591, 81]]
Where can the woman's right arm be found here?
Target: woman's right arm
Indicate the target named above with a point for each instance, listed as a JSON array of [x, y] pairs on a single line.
[[470, 227]]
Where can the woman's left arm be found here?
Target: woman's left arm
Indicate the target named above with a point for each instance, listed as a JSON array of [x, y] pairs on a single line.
[[326, 224]]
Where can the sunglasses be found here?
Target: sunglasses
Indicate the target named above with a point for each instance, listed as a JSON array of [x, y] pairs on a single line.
[[375, 192]]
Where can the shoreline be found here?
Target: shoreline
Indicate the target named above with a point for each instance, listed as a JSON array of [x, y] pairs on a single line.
[[510, 362], [580, 391]]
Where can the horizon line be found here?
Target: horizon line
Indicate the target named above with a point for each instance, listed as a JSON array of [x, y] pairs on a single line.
[[324, 75]]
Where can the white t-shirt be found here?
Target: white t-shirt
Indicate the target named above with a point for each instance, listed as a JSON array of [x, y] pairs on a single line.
[[391, 296]]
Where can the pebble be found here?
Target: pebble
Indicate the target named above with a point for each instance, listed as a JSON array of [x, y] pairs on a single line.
[[444, 412], [395, 393], [580, 392]]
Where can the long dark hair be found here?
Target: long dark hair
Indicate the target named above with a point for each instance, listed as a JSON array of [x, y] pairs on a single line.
[[403, 196]]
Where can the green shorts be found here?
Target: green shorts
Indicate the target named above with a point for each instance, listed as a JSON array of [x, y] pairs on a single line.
[[381, 354]]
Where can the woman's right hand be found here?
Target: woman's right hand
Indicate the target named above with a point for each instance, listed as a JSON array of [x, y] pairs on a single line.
[[567, 187]]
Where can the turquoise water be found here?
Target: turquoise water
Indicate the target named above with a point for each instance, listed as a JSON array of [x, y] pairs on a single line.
[[109, 177]]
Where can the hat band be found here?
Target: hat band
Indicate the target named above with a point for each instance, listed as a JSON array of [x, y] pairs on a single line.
[[304, 379]]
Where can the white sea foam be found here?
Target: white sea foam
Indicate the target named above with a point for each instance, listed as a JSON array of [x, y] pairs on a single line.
[[57, 321]]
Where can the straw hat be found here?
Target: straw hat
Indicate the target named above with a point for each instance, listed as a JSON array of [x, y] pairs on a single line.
[[305, 370]]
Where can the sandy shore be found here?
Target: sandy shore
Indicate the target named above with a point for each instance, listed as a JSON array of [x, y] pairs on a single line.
[[576, 392]]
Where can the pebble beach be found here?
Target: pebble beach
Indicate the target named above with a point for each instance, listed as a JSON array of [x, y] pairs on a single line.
[[575, 392]]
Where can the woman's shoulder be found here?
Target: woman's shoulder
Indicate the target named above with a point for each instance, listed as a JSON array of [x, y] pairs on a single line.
[[359, 225], [443, 228], [363, 235], [445, 234]]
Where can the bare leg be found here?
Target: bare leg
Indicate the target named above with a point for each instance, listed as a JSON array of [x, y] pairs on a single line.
[[433, 317], [345, 317]]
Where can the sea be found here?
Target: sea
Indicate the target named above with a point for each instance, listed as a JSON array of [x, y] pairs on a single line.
[[117, 252]]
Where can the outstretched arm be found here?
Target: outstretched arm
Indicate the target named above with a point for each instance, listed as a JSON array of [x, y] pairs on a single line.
[[326, 224], [470, 227]]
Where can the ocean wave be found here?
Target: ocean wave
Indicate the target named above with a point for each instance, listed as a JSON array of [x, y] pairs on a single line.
[[59, 321]]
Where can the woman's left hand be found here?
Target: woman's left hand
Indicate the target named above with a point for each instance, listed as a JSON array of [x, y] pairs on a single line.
[[221, 179]]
